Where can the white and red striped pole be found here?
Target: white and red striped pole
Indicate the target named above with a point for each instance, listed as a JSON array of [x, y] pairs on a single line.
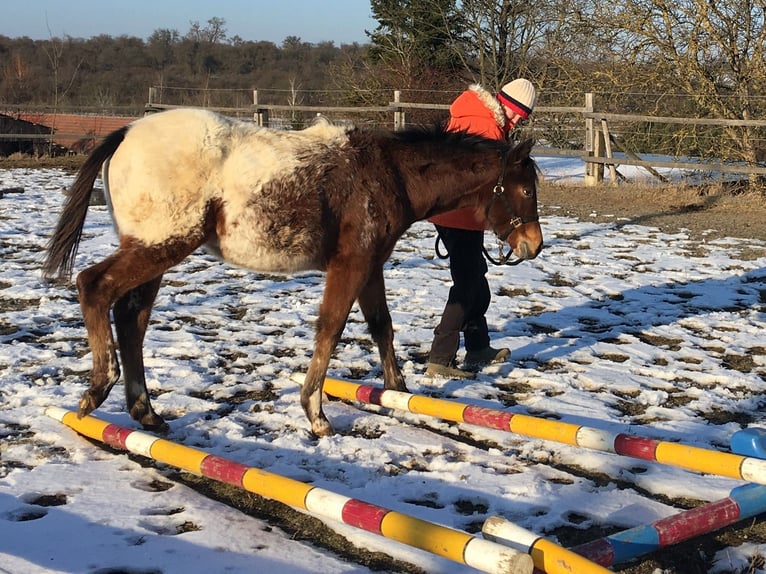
[[484, 555], [743, 502]]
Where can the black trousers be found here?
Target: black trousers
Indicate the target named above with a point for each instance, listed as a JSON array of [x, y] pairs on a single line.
[[468, 299]]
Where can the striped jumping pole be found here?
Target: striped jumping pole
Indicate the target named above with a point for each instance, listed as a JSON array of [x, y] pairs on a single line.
[[743, 502], [547, 556], [692, 458], [484, 555]]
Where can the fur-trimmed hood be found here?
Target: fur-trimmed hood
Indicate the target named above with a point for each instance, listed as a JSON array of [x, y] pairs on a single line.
[[477, 102]]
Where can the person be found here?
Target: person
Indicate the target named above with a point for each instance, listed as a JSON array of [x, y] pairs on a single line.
[[481, 112]]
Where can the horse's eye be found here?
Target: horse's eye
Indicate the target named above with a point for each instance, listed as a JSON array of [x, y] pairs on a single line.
[[528, 192]]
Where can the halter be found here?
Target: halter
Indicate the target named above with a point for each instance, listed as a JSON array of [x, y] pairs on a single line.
[[513, 222], [498, 193]]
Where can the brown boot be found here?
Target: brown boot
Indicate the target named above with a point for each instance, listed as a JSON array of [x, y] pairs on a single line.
[[486, 356], [447, 372]]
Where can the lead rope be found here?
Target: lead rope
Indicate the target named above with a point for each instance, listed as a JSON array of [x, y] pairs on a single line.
[[503, 258]]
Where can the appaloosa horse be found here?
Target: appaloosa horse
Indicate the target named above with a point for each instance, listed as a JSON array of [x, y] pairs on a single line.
[[328, 198]]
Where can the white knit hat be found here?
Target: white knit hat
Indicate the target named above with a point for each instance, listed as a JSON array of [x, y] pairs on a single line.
[[519, 95]]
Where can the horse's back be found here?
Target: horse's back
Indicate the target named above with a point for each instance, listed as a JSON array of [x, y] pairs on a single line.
[[176, 167]]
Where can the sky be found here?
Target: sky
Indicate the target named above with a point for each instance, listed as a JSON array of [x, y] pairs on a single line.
[[339, 21], [616, 326]]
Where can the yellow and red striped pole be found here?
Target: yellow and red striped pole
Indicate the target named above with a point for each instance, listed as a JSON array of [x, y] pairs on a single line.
[[484, 555], [750, 469]]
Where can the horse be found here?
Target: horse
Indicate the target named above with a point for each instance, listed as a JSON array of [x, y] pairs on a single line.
[[330, 198]]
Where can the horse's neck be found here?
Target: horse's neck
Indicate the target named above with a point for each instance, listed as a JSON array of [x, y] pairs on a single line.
[[445, 188]]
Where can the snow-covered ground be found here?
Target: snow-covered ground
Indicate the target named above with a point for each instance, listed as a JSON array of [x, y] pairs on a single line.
[[617, 326]]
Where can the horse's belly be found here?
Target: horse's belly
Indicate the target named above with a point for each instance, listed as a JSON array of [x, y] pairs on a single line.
[[259, 253], [263, 260]]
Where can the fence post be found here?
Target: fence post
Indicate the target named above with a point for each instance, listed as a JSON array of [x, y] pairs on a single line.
[[149, 107], [400, 118], [608, 150], [260, 116], [594, 172], [599, 145]]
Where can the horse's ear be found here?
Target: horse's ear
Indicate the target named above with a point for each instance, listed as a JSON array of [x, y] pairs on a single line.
[[523, 149]]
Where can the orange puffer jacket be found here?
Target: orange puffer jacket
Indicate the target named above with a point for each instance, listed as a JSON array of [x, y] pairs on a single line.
[[477, 111]]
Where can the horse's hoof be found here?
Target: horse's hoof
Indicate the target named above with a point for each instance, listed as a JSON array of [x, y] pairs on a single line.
[[322, 428], [141, 410], [87, 405], [155, 423], [148, 418]]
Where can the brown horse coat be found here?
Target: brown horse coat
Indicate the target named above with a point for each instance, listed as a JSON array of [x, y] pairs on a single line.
[[326, 198]]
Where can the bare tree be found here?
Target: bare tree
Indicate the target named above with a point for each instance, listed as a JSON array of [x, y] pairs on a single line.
[[54, 50], [294, 98], [213, 33], [16, 75], [713, 51], [502, 37]]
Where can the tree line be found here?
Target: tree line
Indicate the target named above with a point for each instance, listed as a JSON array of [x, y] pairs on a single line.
[[105, 72], [682, 58]]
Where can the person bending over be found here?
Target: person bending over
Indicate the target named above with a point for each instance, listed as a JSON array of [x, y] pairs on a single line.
[[480, 112]]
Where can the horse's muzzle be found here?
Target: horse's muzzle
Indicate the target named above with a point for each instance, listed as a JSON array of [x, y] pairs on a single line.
[[525, 250], [527, 242]]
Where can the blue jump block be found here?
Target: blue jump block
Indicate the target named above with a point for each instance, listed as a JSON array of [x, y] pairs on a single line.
[[751, 499], [749, 442]]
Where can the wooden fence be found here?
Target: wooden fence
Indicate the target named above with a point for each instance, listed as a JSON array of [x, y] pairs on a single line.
[[596, 146], [587, 133]]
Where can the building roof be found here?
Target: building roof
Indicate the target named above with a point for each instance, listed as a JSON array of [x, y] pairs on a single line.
[[77, 133]]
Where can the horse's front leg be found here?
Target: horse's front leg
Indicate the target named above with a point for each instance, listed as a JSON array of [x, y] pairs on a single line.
[[372, 301], [95, 289], [341, 288], [131, 318]]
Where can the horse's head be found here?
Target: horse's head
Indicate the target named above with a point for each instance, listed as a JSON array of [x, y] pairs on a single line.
[[512, 209]]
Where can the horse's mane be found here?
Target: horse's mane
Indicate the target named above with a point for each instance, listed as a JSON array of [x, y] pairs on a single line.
[[440, 135]]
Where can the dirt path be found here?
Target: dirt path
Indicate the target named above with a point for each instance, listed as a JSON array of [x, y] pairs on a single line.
[[706, 213]]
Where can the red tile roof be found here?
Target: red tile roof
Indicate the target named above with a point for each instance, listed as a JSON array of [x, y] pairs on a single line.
[[78, 133]]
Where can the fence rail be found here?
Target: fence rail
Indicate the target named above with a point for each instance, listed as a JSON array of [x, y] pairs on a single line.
[[672, 120], [595, 140], [586, 132]]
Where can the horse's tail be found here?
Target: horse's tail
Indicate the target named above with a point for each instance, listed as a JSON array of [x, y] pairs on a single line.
[[63, 244]]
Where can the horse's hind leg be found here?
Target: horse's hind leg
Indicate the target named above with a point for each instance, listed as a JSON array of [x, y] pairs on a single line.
[[372, 301], [94, 285], [131, 318], [101, 286]]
